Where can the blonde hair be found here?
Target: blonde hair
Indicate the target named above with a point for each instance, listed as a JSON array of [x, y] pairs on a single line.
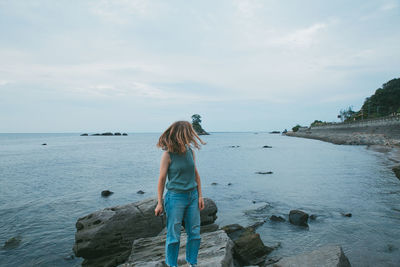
[[177, 136]]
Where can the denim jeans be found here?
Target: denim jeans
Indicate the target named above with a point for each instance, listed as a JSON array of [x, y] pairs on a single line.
[[178, 207]]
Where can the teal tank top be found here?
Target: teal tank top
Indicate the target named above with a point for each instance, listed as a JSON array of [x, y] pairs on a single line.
[[181, 173]]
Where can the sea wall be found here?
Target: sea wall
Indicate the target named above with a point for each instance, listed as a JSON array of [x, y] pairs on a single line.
[[381, 131]]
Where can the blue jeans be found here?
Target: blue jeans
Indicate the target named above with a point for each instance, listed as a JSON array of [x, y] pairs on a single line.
[[178, 207]]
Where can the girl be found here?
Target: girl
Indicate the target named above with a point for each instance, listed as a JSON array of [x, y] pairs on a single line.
[[183, 200]]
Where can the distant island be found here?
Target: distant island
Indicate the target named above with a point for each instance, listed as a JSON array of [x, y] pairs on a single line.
[[196, 120], [105, 134]]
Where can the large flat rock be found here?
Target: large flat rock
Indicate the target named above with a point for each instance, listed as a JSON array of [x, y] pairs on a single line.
[[216, 250], [327, 256], [104, 237]]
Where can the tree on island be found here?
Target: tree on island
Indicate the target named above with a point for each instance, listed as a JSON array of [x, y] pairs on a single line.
[[196, 120]]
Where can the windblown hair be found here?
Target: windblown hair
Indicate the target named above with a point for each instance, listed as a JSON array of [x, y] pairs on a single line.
[[177, 136]]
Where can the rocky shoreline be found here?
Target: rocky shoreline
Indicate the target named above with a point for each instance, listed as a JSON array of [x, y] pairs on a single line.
[[383, 138], [131, 235]]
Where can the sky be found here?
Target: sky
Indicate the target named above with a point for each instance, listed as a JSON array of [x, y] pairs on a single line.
[[138, 66]]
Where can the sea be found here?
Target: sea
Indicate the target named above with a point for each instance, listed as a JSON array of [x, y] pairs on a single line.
[[44, 189]]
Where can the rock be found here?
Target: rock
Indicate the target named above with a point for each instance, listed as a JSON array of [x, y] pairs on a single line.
[[85, 134], [214, 183], [140, 192], [313, 217], [327, 256], [234, 146], [106, 193], [117, 134], [216, 249], [249, 248], [275, 132], [298, 217], [275, 218], [267, 146], [346, 214], [107, 134], [264, 172], [125, 134], [44, 144], [105, 237], [13, 242], [229, 183], [396, 171], [96, 134]]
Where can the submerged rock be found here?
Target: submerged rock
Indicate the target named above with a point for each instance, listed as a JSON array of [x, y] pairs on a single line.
[[264, 172], [13, 242], [216, 249], [298, 217], [140, 192], [267, 146], [396, 171], [249, 248], [328, 256], [347, 214], [275, 218], [84, 134]]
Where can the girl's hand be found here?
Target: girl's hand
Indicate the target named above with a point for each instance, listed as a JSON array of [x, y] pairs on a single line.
[[201, 203], [159, 209]]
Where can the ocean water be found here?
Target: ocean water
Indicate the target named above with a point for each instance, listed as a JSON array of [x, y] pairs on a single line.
[[45, 189]]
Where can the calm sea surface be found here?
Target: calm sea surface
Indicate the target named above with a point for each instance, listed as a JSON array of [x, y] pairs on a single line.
[[45, 189]]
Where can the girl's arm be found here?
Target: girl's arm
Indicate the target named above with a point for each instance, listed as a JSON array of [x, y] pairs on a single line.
[[201, 201], [165, 160]]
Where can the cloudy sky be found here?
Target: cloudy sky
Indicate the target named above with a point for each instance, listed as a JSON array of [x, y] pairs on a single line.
[[137, 66]]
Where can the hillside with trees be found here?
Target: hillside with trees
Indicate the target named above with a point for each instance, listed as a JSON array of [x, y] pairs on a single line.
[[196, 123]]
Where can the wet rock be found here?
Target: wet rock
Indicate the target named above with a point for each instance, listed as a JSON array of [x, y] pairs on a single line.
[[96, 134], [327, 256], [264, 172], [105, 237], [229, 183], [140, 192], [347, 214], [216, 249], [267, 146], [275, 218], [214, 183], [248, 246], [313, 217], [117, 134], [298, 217], [234, 146], [13, 242], [84, 134], [396, 171], [125, 134], [106, 193], [44, 144], [107, 134], [69, 257]]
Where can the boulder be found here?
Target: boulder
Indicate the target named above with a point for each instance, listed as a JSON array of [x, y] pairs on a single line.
[[104, 238], [215, 250], [84, 134], [107, 134], [248, 246], [117, 134], [298, 217], [328, 256], [125, 134], [396, 171]]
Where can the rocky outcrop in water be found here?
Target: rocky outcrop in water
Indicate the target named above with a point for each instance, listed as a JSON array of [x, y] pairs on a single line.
[[104, 238], [298, 217], [328, 256], [248, 246]]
